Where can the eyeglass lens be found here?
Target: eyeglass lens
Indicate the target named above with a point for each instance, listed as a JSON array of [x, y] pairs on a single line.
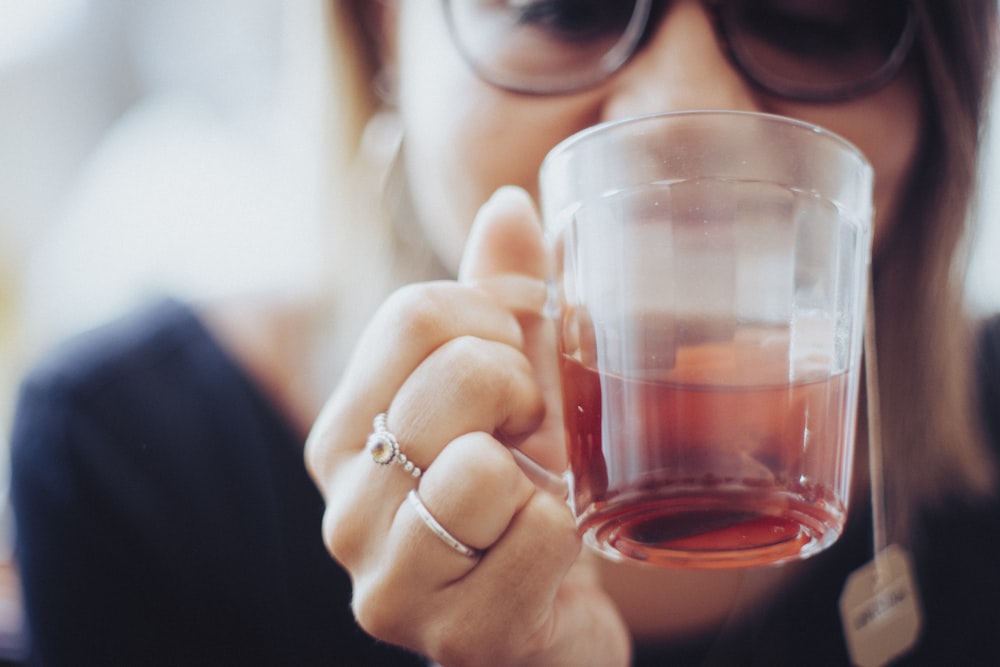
[[808, 49]]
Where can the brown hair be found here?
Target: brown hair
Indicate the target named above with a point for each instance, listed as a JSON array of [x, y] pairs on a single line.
[[933, 448], [354, 59], [930, 425]]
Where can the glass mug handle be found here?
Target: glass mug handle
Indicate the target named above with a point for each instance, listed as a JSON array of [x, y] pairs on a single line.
[[542, 477]]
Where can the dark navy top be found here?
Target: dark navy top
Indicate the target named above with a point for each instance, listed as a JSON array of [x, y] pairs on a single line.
[[165, 517], [164, 513]]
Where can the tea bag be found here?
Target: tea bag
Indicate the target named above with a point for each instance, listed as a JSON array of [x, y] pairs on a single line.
[[880, 606]]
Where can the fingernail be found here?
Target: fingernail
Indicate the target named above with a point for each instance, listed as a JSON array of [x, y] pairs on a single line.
[[511, 196]]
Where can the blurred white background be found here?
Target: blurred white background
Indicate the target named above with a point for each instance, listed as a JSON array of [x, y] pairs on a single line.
[[150, 145], [147, 146], [984, 273]]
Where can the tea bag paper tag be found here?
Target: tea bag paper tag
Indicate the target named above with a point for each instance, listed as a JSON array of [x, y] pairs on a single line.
[[880, 609]]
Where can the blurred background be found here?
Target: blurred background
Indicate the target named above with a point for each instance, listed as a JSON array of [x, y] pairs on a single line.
[[151, 146], [147, 147]]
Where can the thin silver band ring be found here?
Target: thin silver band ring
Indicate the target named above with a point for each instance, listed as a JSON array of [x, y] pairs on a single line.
[[438, 529]]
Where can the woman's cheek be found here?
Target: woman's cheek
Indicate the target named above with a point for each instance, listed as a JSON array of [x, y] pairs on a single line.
[[460, 153]]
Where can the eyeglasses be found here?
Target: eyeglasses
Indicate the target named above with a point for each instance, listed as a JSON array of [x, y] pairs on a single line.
[[807, 50]]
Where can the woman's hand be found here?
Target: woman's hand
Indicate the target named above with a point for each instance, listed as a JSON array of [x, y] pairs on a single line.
[[465, 371]]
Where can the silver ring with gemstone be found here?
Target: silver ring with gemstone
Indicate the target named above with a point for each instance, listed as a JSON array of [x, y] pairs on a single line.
[[384, 447], [414, 498]]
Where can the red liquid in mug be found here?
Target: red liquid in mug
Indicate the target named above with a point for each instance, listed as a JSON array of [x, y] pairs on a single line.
[[676, 472]]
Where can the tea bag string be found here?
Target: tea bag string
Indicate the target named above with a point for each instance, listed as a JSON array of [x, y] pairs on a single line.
[[876, 469]]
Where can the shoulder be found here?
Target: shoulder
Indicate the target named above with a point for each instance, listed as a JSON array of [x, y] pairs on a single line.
[[109, 356], [989, 339], [147, 386], [117, 364], [957, 545], [146, 421], [101, 430], [988, 378], [166, 353]]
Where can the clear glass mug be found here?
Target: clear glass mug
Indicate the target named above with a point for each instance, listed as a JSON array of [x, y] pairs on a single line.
[[709, 289]]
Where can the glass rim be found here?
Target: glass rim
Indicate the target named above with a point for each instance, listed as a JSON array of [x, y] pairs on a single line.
[[567, 144]]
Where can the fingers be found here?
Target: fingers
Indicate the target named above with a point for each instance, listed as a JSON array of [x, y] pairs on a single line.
[[427, 595], [502, 269], [503, 606], [472, 468], [412, 324], [464, 371], [466, 386], [530, 600]]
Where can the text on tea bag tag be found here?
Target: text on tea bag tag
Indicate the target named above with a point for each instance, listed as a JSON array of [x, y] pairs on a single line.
[[880, 609]]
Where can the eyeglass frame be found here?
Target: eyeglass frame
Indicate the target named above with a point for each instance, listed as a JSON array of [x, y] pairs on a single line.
[[633, 38]]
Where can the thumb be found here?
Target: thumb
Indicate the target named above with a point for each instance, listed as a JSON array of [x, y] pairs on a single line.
[[505, 253]]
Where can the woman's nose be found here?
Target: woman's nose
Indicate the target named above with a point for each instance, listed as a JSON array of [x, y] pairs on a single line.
[[682, 66]]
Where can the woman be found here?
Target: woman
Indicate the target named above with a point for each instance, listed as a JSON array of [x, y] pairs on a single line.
[[157, 465]]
